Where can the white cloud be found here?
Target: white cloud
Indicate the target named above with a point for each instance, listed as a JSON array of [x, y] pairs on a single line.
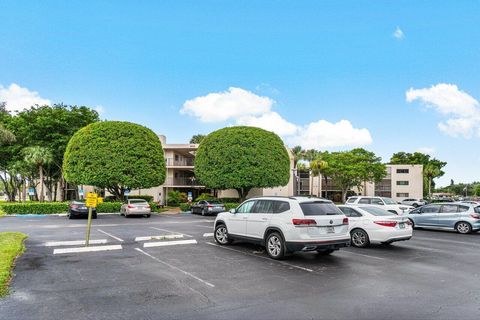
[[270, 121], [231, 104], [398, 33], [449, 100], [100, 109], [246, 108], [18, 98], [324, 134], [427, 150]]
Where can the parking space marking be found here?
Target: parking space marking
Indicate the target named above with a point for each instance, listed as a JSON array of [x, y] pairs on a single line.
[[176, 268], [161, 237], [73, 243], [110, 235], [173, 232], [207, 235], [87, 249], [262, 257], [361, 254], [430, 240], [208, 227], [168, 243]]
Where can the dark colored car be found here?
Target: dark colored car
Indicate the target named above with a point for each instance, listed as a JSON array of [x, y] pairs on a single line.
[[208, 207], [77, 209]]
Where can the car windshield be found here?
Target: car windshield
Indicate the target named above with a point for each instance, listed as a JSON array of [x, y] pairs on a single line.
[[319, 208], [389, 201], [377, 211], [138, 201]]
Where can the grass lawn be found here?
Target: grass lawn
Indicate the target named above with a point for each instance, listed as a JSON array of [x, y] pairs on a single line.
[[11, 246]]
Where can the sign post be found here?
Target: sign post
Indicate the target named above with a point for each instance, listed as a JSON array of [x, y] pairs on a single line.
[[90, 202]]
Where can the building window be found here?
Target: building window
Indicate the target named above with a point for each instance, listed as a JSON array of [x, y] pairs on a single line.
[[402, 195], [402, 171], [402, 183]]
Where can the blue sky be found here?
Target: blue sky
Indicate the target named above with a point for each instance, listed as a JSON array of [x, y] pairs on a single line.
[[297, 67]]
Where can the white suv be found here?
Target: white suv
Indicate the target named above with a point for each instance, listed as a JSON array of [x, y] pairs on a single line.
[[385, 203], [285, 224]]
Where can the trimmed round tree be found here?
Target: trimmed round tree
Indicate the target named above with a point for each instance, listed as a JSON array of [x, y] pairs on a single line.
[[116, 156], [242, 158]]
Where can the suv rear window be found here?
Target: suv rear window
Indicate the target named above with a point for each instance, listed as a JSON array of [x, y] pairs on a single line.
[[319, 208]]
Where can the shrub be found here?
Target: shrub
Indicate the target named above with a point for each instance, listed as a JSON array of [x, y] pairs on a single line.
[[205, 196], [231, 205], [109, 207], [185, 207], [153, 206], [174, 198], [35, 208], [145, 197], [226, 200]]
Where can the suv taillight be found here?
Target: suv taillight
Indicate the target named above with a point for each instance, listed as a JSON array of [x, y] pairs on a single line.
[[475, 216], [386, 223], [303, 222], [345, 220]]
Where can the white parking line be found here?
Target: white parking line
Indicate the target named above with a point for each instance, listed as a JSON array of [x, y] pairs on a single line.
[[168, 243], [360, 254], [262, 257], [176, 268], [110, 235], [207, 235], [87, 249], [173, 232], [73, 243], [162, 237]]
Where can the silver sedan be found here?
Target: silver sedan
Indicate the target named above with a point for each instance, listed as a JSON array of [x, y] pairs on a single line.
[[135, 207]]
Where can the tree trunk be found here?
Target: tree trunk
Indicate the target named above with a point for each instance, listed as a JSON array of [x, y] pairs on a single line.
[[42, 195], [242, 193], [344, 195], [326, 187], [429, 187], [319, 186], [24, 191]]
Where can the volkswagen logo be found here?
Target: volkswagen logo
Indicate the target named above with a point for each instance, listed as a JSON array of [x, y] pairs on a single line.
[[331, 221]]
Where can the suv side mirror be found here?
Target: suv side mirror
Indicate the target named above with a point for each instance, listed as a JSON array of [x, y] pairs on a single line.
[[233, 211]]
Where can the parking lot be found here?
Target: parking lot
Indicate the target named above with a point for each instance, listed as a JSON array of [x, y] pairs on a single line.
[[169, 267]]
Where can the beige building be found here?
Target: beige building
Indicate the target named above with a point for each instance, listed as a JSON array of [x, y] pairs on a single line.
[[401, 182], [180, 175]]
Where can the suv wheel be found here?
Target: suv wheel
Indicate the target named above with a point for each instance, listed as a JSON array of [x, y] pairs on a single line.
[[463, 227], [275, 246], [359, 238], [221, 235]]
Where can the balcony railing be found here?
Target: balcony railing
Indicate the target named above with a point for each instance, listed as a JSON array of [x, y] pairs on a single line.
[[183, 181], [188, 162]]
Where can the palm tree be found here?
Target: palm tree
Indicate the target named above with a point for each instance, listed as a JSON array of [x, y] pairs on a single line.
[[430, 172], [317, 167], [38, 156], [6, 136], [297, 153]]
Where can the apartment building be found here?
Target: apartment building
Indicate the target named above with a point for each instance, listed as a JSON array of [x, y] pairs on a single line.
[[401, 182], [180, 175]]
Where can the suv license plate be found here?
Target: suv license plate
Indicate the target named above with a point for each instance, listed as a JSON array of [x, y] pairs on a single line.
[[330, 229], [401, 225]]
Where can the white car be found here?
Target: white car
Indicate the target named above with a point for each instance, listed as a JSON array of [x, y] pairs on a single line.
[[414, 202], [382, 202], [285, 225], [374, 225]]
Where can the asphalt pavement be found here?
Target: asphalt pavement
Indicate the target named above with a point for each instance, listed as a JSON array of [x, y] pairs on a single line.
[[169, 267]]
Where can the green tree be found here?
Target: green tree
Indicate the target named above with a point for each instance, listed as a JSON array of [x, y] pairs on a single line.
[[354, 168], [319, 167], [242, 158], [6, 136], [425, 160], [196, 139], [298, 154], [39, 157], [115, 156], [430, 171]]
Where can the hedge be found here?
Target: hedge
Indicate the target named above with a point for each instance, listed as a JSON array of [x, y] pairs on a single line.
[[185, 207], [109, 207], [34, 208], [231, 205]]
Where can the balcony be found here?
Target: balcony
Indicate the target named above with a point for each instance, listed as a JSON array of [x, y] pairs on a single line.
[[182, 182], [171, 162]]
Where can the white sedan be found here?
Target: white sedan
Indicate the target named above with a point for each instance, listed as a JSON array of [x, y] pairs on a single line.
[[370, 224]]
